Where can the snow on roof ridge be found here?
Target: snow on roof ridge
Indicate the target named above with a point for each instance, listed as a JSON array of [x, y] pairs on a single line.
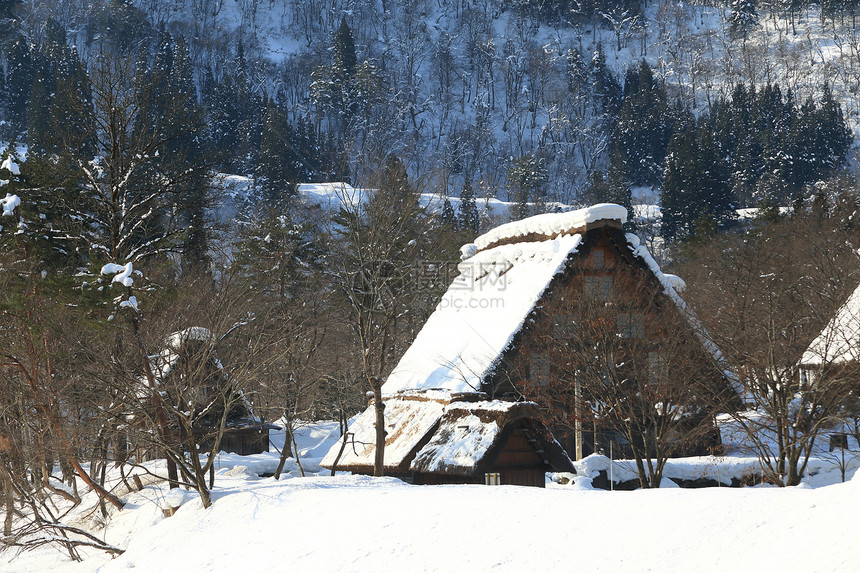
[[489, 405], [442, 395], [175, 340], [553, 224]]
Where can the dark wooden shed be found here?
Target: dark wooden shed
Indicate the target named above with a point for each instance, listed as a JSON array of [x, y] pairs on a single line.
[[246, 436]]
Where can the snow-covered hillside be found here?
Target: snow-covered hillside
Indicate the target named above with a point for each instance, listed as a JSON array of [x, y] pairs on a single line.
[[471, 86]]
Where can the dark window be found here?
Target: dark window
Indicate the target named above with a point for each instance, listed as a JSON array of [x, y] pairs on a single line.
[[656, 366], [598, 288], [631, 326], [539, 370], [598, 259], [564, 328]]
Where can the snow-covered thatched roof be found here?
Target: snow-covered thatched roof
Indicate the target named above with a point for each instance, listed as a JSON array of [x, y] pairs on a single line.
[[477, 319], [504, 274], [502, 277], [409, 418], [175, 344], [185, 344], [469, 435], [839, 341], [440, 432]]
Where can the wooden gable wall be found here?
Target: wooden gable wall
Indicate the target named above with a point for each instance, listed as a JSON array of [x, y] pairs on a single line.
[[604, 272]]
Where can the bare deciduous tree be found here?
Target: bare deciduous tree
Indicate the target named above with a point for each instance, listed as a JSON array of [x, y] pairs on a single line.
[[764, 295], [626, 366]]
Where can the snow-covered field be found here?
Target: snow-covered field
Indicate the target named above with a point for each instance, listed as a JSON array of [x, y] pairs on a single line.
[[364, 524], [355, 523]]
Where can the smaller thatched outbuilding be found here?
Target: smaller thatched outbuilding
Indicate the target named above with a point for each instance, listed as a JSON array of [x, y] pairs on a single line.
[[489, 442], [189, 374], [442, 438]]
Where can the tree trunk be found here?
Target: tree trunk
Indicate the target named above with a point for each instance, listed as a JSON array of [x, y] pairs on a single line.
[[172, 474], [9, 500], [292, 436], [285, 453], [379, 407]]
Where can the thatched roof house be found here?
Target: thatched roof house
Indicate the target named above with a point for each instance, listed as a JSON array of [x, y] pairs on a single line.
[[476, 440], [189, 373], [517, 283], [505, 277]]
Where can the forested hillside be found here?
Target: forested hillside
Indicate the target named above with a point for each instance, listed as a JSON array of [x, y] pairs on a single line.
[[525, 100]]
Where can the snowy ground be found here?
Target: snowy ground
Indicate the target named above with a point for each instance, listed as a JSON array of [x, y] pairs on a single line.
[[354, 523], [363, 524]]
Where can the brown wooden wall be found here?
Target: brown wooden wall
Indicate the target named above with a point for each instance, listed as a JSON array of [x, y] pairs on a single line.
[[245, 441], [538, 367]]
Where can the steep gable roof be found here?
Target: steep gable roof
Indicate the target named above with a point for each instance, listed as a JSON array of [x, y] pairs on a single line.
[[503, 275], [478, 317]]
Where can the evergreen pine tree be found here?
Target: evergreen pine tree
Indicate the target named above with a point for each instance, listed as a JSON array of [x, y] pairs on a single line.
[[344, 60], [224, 124], [527, 179], [190, 144], [643, 129], [280, 170], [675, 200], [19, 82], [332, 85], [742, 19], [39, 128], [163, 63], [251, 113], [59, 79], [307, 151], [697, 190], [394, 185], [712, 181], [730, 125], [469, 217], [71, 105], [448, 218], [834, 135], [605, 87]]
